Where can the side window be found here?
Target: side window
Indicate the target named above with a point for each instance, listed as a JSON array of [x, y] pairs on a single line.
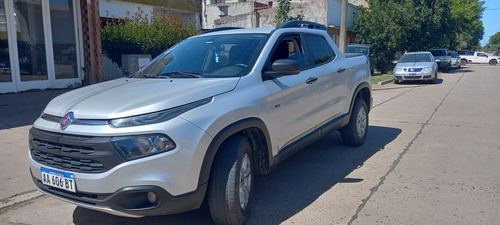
[[318, 49], [481, 55], [289, 47]]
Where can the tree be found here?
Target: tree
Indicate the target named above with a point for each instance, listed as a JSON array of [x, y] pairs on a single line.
[[469, 27], [392, 26], [494, 42], [283, 11]]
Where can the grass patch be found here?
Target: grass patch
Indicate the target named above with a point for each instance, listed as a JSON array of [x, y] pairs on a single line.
[[5, 200], [380, 77]]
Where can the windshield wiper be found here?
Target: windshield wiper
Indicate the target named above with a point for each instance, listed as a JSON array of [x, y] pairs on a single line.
[[140, 74], [180, 74]]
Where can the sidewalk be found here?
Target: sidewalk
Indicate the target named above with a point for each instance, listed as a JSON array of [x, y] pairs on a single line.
[[17, 114]]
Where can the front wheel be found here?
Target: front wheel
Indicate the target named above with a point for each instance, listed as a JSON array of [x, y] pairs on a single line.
[[493, 62], [463, 62], [354, 133], [230, 182]]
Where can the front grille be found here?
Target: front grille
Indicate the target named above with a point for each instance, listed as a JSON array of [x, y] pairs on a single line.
[[413, 70], [71, 162], [81, 154]]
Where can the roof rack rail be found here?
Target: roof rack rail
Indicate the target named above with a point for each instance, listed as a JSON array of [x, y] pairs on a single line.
[[220, 29], [302, 24]]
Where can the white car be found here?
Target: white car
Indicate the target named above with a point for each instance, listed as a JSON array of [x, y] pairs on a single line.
[[199, 122], [480, 58], [413, 66]]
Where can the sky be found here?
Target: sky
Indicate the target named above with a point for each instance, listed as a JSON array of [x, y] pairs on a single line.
[[491, 17]]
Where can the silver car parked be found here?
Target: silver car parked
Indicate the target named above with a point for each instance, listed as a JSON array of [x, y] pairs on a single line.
[[416, 66], [455, 60]]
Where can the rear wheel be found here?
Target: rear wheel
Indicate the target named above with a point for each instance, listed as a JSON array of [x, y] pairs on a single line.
[[463, 62], [354, 133], [230, 182], [493, 62]]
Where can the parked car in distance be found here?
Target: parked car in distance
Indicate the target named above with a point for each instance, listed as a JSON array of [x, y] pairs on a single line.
[[455, 60], [365, 50], [416, 66], [479, 57], [462, 52], [443, 59]]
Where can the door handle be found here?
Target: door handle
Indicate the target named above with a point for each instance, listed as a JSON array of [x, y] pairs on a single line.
[[311, 80], [340, 70]]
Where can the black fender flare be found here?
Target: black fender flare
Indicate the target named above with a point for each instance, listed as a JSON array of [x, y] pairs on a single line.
[[225, 133], [366, 95]]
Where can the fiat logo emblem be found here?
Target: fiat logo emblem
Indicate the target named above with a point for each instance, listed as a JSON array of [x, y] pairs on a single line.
[[67, 120]]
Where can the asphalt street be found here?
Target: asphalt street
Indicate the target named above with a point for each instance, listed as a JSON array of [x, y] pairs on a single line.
[[431, 157]]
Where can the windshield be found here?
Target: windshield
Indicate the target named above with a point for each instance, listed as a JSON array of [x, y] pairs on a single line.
[[438, 52], [357, 49], [215, 56], [409, 58]]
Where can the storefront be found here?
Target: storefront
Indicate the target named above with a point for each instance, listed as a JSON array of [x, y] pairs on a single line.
[[40, 45]]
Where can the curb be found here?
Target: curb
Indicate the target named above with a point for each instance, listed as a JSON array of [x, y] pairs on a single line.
[[385, 82], [19, 198]]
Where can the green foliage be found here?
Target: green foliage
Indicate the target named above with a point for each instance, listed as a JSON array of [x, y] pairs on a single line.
[[393, 26], [493, 43], [143, 34], [283, 11], [469, 27]]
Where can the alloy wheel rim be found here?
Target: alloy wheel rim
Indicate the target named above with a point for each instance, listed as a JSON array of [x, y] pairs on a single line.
[[361, 122], [245, 182]]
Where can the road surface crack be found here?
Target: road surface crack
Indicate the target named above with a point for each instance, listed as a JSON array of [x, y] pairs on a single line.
[[398, 160]]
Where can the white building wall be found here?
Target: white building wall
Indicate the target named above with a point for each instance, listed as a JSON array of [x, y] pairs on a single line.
[[118, 9], [335, 13], [213, 11]]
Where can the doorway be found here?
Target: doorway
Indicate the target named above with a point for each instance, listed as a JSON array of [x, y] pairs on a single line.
[[39, 45]]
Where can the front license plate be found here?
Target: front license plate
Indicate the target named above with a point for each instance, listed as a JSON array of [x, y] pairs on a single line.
[[412, 74], [58, 179]]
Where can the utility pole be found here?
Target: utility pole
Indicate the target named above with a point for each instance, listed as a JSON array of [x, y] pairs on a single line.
[[343, 27]]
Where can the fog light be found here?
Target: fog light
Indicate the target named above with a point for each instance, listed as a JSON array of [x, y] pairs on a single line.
[[151, 197]]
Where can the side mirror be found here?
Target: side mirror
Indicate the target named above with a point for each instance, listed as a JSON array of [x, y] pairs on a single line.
[[283, 67]]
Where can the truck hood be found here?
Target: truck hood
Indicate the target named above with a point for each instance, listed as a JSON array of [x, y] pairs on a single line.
[[128, 96]]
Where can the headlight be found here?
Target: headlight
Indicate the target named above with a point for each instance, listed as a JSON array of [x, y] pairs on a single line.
[[157, 117], [438, 60], [398, 70], [133, 147], [428, 69]]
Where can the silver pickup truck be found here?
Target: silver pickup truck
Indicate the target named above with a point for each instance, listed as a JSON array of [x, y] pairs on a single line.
[[199, 122]]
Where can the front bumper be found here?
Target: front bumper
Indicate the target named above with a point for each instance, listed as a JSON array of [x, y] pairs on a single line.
[[106, 182], [443, 64], [422, 76], [130, 201]]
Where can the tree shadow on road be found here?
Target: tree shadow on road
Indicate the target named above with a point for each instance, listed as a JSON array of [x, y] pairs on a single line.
[[296, 183]]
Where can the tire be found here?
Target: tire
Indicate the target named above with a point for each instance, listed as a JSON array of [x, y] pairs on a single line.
[[493, 62], [463, 62], [354, 133], [435, 78], [447, 68], [230, 184]]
